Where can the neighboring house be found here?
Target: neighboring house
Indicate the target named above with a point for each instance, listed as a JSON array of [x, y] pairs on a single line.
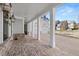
[[73, 25], [77, 26], [66, 25], [58, 26], [70, 25]]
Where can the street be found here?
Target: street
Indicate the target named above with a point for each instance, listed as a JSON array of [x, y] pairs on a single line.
[[67, 45]]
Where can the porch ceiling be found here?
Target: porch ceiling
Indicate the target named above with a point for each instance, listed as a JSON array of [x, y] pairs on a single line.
[[30, 10]]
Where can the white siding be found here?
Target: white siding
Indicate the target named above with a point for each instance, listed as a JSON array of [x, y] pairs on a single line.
[[18, 26]]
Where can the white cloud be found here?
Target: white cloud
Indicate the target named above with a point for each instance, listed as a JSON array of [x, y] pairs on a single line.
[[67, 10]]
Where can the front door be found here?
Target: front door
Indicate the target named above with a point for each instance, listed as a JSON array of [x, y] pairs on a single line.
[[5, 25]]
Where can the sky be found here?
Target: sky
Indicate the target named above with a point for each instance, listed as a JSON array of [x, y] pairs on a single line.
[[68, 12]]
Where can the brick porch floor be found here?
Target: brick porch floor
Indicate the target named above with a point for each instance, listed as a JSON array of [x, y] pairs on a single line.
[[27, 46]]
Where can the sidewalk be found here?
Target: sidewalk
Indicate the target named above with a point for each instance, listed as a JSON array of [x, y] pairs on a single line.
[[73, 34]]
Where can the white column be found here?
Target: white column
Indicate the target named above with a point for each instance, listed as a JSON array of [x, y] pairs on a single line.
[[38, 28], [52, 27], [33, 29], [1, 26], [23, 24], [9, 28], [12, 28], [30, 28]]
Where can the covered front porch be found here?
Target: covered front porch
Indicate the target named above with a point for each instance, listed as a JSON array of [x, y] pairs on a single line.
[[24, 17], [31, 33], [21, 21]]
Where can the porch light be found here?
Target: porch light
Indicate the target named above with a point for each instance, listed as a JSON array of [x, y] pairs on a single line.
[[6, 7]]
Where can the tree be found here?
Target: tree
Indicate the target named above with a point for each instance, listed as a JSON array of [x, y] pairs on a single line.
[[64, 25]]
